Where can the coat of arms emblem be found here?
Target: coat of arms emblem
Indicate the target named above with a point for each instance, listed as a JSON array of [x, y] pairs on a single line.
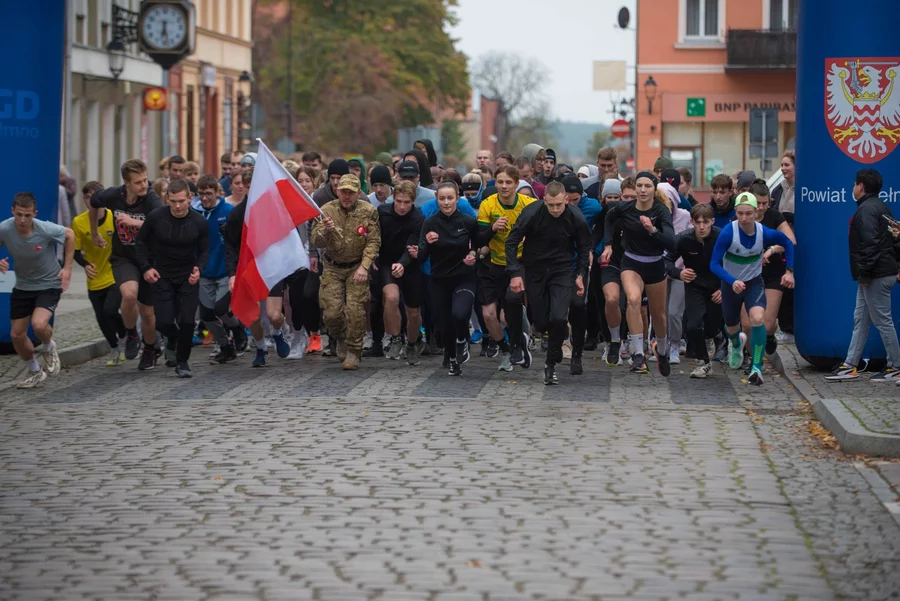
[[862, 106]]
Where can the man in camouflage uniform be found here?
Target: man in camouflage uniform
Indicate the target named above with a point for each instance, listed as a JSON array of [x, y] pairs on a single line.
[[350, 234]]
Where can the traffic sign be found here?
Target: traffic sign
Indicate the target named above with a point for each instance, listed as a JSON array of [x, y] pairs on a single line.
[[620, 128], [629, 163]]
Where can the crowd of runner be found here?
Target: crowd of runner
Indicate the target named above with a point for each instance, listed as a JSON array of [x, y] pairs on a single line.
[[410, 259]]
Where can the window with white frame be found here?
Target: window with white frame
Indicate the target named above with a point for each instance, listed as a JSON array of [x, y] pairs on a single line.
[[701, 19], [783, 15]]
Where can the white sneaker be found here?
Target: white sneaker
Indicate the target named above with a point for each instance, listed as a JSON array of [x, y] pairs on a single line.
[[34, 378], [674, 356], [682, 347], [701, 371], [626, 348], [368, 341], [299, 342], [215, 350], [784, 338], [51, 361]]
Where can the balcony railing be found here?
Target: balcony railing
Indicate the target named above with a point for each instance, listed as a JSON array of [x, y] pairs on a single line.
[[750, 49]]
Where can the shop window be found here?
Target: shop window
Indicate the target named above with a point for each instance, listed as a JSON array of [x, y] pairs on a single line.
[[723, 149]]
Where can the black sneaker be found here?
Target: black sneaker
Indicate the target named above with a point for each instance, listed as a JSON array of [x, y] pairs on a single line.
[[132, 346], [225, 355], [591, 343], [240, 340], [844, 371], [148, 359], [771, 344], [492, 349], [446, 362], [183, 370], [888, 374], [526, 351], [516, 354], [612, 352], [575, 367], [639, 365], [462, 352], [550, 375], [376, 351], [455, 368], [662, 361]]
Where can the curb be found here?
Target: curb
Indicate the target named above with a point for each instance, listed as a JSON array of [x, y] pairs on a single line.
[[851, 435], [75, 355]]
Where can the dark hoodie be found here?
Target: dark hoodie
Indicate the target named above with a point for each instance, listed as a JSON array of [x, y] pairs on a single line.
[[425, 179], [430, 154], [363, 184], [723, 218]]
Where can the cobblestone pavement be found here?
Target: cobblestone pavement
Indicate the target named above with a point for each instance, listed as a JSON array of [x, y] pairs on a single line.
[[875, 404], [300, 481]]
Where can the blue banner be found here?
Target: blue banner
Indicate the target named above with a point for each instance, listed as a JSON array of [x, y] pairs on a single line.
[[848, 98], [31, 89]]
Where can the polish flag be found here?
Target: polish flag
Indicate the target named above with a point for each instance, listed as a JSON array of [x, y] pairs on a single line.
[[271, 248]]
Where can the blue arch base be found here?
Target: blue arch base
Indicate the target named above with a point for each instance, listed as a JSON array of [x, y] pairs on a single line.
[[826, 165]]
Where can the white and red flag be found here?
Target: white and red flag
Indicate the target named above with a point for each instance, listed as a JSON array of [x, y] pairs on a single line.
[[271, 248]]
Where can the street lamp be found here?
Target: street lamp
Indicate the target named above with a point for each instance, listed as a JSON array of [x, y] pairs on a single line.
[[246, 77], [116, 54], [650, 93]]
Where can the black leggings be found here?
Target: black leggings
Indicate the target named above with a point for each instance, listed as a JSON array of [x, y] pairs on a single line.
[[302, 314], [594, 309], [311, 311], [106, 304], [175, 303], [452, 299]]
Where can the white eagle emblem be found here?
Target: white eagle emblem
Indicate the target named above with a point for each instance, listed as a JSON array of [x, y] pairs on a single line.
[[862, 106]]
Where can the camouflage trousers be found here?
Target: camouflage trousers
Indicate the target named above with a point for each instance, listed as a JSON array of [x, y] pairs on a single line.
[[343, 305]]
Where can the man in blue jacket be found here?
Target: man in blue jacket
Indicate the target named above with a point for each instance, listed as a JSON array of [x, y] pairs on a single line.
[[214, 296]]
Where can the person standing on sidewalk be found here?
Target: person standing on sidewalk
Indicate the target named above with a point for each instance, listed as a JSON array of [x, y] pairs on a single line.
[[39, 282], [102, 290], [874, 266]]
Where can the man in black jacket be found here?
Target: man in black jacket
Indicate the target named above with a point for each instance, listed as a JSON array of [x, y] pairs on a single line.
[[874, 266], [556, 236]]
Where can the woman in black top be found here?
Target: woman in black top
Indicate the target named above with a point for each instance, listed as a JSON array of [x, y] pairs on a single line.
[[773, 262], [449, 238], [647, 232]]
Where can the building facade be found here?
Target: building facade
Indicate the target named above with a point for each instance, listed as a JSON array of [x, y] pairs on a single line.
[[712, 61], [106, 122]]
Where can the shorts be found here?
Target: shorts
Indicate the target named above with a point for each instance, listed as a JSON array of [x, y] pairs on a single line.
[[494, 281], [754, 295], [410, 285], [22, 303], [772, 280], [212, 290], [650, 273], [126, 271], [611, 274], [277, 290]]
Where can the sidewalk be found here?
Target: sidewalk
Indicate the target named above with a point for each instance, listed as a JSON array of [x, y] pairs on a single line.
[[863, 416], [75, 332]]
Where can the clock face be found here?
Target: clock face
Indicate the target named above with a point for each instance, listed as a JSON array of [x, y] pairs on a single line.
[[164, 27]]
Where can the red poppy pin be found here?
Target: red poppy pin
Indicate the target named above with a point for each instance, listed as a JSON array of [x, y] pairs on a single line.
[[361, 230], [38, 247]]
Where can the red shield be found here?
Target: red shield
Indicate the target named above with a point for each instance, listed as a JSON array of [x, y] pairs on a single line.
[[862, 106]]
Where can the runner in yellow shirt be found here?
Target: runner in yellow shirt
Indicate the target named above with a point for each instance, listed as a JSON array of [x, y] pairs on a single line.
[[102, 290], [500, 212]]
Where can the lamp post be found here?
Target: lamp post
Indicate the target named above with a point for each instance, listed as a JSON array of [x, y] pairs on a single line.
[[650, 93], [115, 51]]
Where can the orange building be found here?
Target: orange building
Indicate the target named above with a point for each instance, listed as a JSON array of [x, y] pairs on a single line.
[[701, 66]]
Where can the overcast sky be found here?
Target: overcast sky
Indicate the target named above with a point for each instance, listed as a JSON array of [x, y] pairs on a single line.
[[566, 35]]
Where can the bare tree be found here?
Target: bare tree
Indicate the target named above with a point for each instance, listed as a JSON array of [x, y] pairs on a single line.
[[518, 84]]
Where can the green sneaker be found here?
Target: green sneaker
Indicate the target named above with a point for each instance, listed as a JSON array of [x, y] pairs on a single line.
[[736, 357]]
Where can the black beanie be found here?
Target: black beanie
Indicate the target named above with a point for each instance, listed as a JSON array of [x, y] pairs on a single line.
[[572, 184], [671, 176], [338, 167], [380, 175]]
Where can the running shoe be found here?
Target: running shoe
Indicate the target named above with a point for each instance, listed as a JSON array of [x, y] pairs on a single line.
[[736, 357], [413, 351], [462, 352], [771, 345], [226, 354], [505, 363], [888, 374], [591, 343], [701, 371], [477, 336], [51, 360], [171, 360], [455, 368], [241, 340], [368, 341], [526, 352], [330, 349], [299, 344], [132, 346], [183, 370], [756, 377], [492, 348], [375, 351], [115, 357], [682, 347], [721, 354], [844, 371], [784, 337], [612, 353], [315, 343], [148, 359], [626, 349], [516, 354], [575, 367], [208, 339], [639, 365], [34, 378], [260, 359], [395, 347], [550, 377], [662, 360], [674, 356], [216, 349], [281, 345]]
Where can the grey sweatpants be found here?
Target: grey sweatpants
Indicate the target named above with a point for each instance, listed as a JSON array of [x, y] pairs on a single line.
[[675, 300], [873, 306]]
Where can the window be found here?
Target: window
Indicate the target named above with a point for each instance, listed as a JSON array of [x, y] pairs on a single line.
[[701, 19], [783, 15]]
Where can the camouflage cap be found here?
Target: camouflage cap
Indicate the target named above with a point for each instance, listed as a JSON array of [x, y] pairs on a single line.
[[349, 182]]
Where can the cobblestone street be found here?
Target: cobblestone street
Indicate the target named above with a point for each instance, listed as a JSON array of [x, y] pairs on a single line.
[[301, 481]]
